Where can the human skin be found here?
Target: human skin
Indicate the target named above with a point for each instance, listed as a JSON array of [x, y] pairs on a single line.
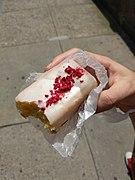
[[120, 91], [121, 85]]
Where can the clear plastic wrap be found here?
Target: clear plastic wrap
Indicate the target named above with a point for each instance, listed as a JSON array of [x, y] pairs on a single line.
[[66, 139], [114, 115]]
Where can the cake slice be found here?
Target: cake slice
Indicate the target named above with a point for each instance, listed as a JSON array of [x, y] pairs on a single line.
[[56, 95]]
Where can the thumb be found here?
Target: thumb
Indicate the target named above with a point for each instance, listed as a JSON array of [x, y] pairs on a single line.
[[108, 98], [104, 102]]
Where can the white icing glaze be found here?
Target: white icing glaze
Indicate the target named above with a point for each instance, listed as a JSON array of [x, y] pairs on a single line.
[[59, 112]]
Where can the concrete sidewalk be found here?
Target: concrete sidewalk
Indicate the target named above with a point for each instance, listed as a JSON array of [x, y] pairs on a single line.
[[32, 33]]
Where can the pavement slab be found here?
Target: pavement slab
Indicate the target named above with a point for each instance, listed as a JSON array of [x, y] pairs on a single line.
[[69, 2], [31, 34], [15, 5], [26, 155], [25, 27], [16, 63], [108, 45], [79, 21], [109, 142]]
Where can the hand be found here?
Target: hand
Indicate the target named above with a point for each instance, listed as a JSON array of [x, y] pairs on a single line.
[[121, 85]]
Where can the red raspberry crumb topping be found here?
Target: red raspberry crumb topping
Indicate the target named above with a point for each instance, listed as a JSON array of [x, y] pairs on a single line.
[[63, 84], [78, 72], [51, 91], [39, 101]]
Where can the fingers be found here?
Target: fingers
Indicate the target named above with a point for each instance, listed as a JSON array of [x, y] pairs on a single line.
[[60, 58], [112, 96], [105, 61], [104, 102]]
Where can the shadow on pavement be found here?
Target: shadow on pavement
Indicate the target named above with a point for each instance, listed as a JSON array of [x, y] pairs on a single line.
[[116, 26]]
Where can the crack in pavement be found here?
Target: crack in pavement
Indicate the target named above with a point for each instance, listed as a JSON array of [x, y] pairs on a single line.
[[98, 171], [13, 124]]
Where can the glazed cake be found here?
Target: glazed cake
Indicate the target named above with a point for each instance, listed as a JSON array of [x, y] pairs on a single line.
[[56, 95]]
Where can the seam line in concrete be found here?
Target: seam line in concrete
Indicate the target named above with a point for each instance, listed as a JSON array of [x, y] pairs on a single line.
[[97, 171], [55, 29], [13, 124], [36, 43]]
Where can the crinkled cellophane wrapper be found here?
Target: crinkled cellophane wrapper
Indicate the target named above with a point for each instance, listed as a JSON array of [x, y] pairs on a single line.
[[66, 139]]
